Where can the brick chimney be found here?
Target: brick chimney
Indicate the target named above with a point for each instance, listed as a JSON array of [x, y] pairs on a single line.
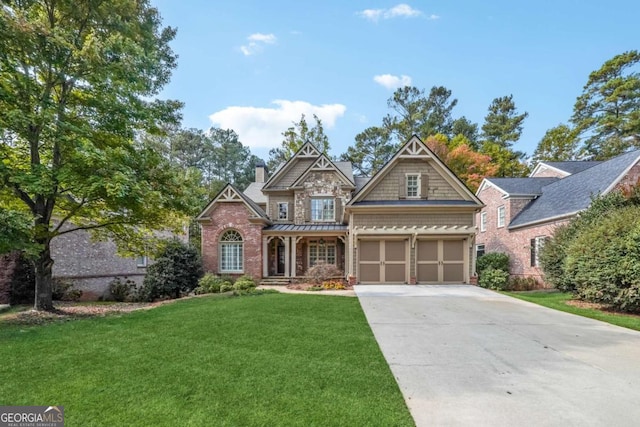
[[261, 172]]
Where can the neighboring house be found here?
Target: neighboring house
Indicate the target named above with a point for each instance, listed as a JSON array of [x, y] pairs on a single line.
[[412, 222], [91, 265], [521, 213]]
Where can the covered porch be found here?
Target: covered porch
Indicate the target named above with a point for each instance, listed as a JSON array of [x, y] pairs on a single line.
[[289, 250]]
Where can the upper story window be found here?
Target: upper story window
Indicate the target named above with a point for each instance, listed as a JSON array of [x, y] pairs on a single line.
[[413, 185], [283, 210], [323, 209], [501, 216], [142, 261], [483, 221]]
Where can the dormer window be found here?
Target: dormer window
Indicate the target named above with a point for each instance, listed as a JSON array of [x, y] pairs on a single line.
[[283, 211], [413, 185], [323, 209]]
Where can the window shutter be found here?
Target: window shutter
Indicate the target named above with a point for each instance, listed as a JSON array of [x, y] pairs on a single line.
[[338, 209], [307, 210], [288, 211], [533, 252], [424, 186], [402, 187]]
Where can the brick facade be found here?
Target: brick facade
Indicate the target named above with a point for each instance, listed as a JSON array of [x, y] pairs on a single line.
[[515, 243], [225, 216]]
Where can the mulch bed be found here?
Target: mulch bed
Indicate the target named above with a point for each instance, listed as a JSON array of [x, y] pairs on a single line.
[[65, 311]]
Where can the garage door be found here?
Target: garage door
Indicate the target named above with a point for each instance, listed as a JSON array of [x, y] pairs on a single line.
[[440, 261], [382, 261]]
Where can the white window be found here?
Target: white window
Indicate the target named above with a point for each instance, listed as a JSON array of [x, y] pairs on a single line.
[[319, 250], [142, 261], [536, 246], [283, 210], [323, 209], [413, 185], [501, 216], [483, 221], [231, 252]]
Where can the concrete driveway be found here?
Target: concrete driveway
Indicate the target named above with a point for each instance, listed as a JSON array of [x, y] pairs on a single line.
[[463, 355]]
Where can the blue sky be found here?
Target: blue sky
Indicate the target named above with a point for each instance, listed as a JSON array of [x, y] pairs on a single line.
[[255, 66]]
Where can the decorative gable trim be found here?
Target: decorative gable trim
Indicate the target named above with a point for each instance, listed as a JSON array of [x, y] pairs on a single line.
[[486, 184], [308, 150], [323, 164], [230, 194], [416, 149]]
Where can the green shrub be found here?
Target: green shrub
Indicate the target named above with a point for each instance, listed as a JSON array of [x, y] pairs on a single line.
[[121, 291], [175, 272], [62, 290], [23, 283], [244, 283], [603, 261], [208, 284], [492, 278], [522, 284], [553, 256], [226, 286], [494, 260]]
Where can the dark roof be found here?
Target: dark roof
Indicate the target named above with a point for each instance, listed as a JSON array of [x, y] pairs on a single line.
[[572, 194], [573, 167], [522, 186], [361, 181], [307, 227], [346, 168], [417, 202]]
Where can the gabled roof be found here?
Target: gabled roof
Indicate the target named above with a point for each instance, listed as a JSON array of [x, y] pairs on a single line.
[[308, 150], [323, 163], [230, 194], [416, 149], [254, 192], [570, 195], [517, 186], [565, 168]]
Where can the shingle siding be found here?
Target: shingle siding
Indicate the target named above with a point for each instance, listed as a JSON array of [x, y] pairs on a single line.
[[388, 187]]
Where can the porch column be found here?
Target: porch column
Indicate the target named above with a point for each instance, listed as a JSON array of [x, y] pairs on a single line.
[[287, 256], [294, 260], [265, 256]]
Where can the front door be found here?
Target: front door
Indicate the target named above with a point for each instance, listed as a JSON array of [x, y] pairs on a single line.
[[280, 259]]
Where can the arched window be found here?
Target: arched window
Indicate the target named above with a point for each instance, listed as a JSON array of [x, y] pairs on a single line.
[[231, 252]]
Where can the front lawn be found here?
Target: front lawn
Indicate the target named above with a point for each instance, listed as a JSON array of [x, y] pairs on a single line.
[[268, 360], [558, 301]]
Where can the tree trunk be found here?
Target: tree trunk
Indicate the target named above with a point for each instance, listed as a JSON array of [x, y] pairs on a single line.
[[43, 267]]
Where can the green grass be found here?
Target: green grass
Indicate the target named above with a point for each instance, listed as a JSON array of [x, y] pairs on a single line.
[[558, 301], [269, 360]]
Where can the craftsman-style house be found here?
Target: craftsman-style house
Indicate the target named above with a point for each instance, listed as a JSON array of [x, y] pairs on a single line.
[[412, 222], [521, 213]]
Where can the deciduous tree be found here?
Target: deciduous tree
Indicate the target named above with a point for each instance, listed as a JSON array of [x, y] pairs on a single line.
[[78, 82]]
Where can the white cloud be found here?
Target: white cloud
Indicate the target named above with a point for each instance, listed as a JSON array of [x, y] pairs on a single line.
[[260, 127], [401, 10], [392, 82], [256, 44], [433, 17]]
